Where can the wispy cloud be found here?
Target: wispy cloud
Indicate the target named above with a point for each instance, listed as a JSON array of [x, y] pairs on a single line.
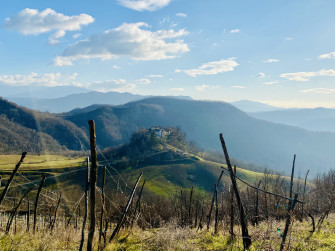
[[204, 87], [271, 82], [288, 38], [212, 68], [234, 31], [154, 76], [126, 40], [178, 89], [330, 55], [306, 76], [116, 67], [181, 15], [47, 79], [319, 90], [33, 22], [238, 86], [271, 60], [142, 5], [116, 85], [261, 75]]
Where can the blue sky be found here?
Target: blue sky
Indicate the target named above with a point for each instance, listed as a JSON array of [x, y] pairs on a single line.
[[277, 52]]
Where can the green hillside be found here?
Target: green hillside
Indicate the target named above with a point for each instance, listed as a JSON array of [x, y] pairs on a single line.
[[24, 129]]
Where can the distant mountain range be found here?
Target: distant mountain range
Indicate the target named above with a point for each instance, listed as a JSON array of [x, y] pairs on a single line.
[[317, 119], [248, 139], [73, 101], [252, 106]]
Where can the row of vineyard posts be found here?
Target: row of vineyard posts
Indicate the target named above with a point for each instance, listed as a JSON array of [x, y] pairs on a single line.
[[188, 215]]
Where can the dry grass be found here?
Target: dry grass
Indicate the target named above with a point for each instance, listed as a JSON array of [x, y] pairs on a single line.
[[172, 237]]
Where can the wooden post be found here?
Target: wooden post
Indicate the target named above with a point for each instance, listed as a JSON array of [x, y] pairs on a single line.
[[256, 207], [10, 220], [12, 177], [303, 196], [86, 206], [55, 214], [123, 215], [102, 206], [36, 201], [93, 182], [292, 175], [232, 235], [137, 204], [288, 220], [213, 200], [190, 208], [28, 215], [245, 235], [216, 212]]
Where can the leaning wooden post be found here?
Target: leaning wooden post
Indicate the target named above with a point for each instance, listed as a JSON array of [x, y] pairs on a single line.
[[288, 220], [292, 175], [213, 200], [245, 235], [232, 235], [36, 201], [303, 196], [123, 215], [137, 204], [86, 206], [12, 177], [10, 220], [102, 206], [93, 182], [256, 207], [55, 215]]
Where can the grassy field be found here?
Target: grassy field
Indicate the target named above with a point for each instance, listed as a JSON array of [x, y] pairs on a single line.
[[172, 237]]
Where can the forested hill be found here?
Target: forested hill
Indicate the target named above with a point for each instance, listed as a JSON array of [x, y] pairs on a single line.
[[24, 129], [247, 138]]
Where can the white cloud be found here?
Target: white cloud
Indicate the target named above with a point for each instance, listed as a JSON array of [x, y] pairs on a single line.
[[330, 55], [127, 40], [204, 87], [261, 75], [306, 76], [271, 82], [212, 68], [154, 76], [33, 22], [181, 15], [116, 85], [238, 86], [76, 35], [144, 81], [234, 31], [47, 79], [319, 90], [116, 67], [178, 89], [271, 60], [288, 38], [141, 5]]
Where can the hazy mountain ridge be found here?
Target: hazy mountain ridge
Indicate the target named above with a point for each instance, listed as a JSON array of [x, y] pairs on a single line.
[[316, 119], [247, 138]]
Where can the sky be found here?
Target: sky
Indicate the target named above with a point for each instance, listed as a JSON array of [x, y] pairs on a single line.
[[277, 52]]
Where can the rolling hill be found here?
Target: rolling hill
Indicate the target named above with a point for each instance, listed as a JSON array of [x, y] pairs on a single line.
[[34, 131], [248, 139]]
